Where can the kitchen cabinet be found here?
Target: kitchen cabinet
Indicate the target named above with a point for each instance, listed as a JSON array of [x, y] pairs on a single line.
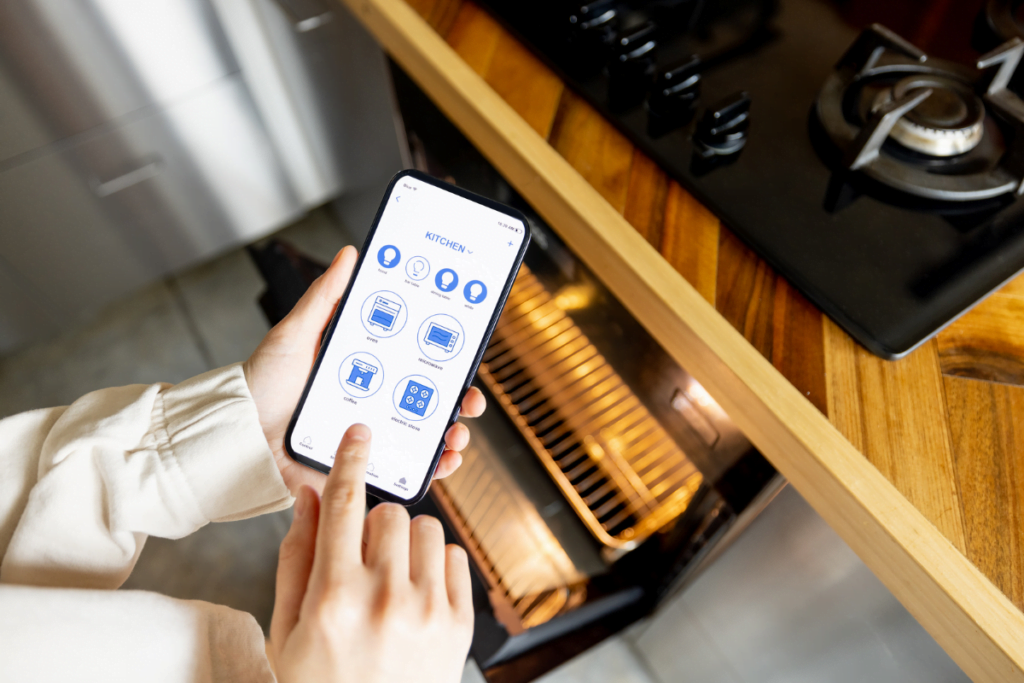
[[137, 139], [88, 223]]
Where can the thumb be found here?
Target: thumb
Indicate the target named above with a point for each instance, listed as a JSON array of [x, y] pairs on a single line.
[[317, 305], [295, 562]]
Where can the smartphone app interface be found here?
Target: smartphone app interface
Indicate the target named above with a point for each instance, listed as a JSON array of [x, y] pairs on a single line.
[[410, 329]]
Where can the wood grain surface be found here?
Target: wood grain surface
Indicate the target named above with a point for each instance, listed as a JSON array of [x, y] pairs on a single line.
[[987, 426], [951, 446], [987, 342]]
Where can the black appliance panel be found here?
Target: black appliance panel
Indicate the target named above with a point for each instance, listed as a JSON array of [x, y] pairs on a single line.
[[890, 268]]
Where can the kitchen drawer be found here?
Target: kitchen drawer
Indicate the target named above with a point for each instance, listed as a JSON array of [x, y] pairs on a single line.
[[88, 224], [21, 129], [70, 66]]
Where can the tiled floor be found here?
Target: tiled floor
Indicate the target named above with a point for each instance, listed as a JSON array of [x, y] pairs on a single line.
[[208, 317]]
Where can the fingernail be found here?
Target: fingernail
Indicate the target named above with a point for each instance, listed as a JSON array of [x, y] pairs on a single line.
[[358, 432], [301, 503]]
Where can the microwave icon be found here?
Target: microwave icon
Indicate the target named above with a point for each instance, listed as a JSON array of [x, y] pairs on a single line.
[[441, 336], [384, 313]]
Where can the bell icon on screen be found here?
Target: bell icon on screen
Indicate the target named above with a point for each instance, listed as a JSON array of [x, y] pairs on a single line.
[[389, 256]]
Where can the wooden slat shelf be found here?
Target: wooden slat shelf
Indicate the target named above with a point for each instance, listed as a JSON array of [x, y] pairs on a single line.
[[918, 464]]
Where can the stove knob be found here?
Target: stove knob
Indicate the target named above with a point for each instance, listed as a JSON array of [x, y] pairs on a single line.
[[723, 129], [632, 66], [674, 96], [593, 25]]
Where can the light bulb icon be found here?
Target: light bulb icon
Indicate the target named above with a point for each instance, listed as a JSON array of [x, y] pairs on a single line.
[[446, 280], [389, 256], [417, 267], [475, 291]]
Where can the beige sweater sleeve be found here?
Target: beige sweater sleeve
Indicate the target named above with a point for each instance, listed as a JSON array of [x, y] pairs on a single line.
[[82, 487]]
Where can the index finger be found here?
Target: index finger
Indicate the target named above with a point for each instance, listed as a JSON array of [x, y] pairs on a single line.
[[339, 537]]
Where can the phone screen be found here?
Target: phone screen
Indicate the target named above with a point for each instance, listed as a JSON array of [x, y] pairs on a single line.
[[408, 336]]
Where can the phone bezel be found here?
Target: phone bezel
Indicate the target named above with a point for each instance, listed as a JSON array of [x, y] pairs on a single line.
[[329, 333]]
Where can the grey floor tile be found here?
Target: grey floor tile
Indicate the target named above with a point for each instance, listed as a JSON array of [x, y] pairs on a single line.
[[231, 563], [677, 650], [145, 338], [222, 300], [789, 602], [472, 674], [318, 235], [613, 661]]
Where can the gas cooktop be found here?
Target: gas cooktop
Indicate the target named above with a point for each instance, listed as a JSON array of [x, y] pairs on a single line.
[[882, 181]]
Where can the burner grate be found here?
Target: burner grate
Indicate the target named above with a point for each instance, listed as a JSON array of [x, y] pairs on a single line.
[[622, 472]]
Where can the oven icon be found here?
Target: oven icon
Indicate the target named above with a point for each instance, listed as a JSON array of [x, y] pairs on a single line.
[[361, 375], [384, 313], [441, 336]]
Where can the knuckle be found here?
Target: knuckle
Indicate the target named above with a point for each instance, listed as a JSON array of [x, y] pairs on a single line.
[[392, 605], [428, 525], [463, 621], [334, 597], [336, 608], [435, 603], [340, 498], [386, 513], [290, 547], [457, 555]]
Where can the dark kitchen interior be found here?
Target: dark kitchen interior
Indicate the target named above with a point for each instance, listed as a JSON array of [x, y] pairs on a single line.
[[155, 221]]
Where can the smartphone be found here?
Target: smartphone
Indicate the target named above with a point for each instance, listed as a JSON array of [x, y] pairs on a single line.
[[409, 332]]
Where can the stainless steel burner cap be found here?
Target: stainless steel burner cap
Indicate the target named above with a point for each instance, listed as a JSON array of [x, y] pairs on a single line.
[[949, 122]]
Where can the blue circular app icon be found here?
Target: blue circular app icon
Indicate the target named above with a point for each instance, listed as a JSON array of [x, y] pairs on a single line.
[[415, 398], [474, 291], [441, 337], [389, 256], [446, 280]]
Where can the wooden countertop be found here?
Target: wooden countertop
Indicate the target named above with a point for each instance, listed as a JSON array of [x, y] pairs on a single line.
[[918, 463]]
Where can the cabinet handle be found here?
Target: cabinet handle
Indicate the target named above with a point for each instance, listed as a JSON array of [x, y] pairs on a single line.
[[305, 20], [123, 182]]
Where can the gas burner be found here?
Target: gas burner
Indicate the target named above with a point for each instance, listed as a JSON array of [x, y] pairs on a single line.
[[925, 126], [949, 122]]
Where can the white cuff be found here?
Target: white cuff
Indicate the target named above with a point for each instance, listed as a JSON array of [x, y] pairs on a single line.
[[215, 437]]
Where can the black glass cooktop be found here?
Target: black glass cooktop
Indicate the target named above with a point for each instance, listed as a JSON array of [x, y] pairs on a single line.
[[875, 166]]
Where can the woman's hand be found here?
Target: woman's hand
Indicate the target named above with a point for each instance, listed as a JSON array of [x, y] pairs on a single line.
[[380, 600], [277, 372]]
